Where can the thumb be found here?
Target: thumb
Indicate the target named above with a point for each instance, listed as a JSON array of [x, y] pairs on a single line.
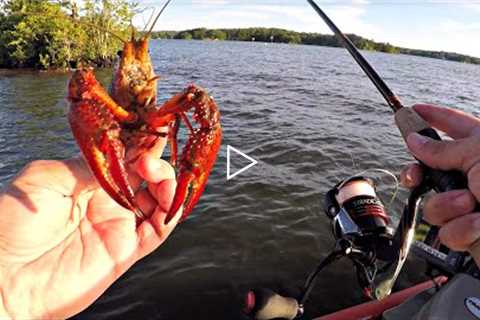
[[155, 230], [443, 155], [68, 177]]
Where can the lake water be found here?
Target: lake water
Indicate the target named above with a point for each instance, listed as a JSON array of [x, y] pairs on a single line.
[[304, 112]]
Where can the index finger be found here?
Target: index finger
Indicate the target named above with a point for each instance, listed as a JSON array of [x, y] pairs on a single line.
[[457, 124], [150, 144]]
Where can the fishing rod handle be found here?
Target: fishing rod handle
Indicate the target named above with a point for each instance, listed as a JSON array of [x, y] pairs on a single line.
[[409, 121], [264, 304]]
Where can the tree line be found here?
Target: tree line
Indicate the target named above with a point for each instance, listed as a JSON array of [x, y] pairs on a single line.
[[287, 36], [46, 34]]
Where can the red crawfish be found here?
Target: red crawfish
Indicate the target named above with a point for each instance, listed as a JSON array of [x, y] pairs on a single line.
[[104, 126]]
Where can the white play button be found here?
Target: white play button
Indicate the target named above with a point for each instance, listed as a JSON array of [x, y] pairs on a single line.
[[251, 164]]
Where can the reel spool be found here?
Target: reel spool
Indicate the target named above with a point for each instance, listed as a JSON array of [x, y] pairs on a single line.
[[359, 215]]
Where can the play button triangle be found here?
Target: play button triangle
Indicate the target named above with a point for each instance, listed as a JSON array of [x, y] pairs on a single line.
[[250, 159]]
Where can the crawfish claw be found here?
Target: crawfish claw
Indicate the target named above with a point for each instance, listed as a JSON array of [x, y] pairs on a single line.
[[97, 133], [201, 149], [181, 193]]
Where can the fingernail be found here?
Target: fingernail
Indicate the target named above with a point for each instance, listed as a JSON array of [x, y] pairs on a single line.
[[154, 164], [416, 140], [172, 183], [165, 193], [408, 176], [476, 223], [463, 200], [168, 184]]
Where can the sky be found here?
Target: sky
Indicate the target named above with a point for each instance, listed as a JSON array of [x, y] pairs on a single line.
[[422, 24]]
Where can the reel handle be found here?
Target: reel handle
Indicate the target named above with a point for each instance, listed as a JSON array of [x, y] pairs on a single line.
[[265, 304], [408, 121]]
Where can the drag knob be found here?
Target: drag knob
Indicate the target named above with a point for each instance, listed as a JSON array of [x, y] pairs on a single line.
[[264, 304]]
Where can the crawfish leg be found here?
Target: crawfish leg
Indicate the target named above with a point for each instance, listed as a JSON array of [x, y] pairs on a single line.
[[187, 122], [172, 138], [170, 113], [172, 135], [169, 110]]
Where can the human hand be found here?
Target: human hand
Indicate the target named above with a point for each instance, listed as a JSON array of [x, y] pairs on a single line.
[[64, 241], [453, 211]]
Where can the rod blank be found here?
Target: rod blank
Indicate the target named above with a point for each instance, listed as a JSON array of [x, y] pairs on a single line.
[[389, 96]]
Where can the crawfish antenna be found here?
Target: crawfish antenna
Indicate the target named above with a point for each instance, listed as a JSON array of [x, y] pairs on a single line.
[[156, 18], [149, 19], [133, 31], [101, 29]]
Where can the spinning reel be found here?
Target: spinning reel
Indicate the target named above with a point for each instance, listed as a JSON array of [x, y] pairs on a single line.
[[361, 228]]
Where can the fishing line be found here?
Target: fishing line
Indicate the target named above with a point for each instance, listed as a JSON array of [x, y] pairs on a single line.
[[389, 173]]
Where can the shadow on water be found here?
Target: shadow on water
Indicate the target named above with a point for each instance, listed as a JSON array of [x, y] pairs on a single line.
[[304, 112]]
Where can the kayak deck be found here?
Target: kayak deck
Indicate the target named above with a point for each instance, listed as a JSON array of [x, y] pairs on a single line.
[[374, 309]]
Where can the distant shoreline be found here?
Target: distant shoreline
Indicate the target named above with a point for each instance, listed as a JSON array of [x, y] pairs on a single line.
[[277, 35], [263, 35]]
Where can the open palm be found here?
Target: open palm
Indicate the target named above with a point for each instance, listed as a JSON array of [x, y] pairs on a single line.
[[64, 241]]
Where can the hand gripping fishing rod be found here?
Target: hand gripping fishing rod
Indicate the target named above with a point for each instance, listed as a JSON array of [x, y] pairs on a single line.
[[408, 121]]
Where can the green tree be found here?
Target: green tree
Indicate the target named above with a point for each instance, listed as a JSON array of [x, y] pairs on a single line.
[[199, 34], [184, 35], [216, 34], [45, 34], [244, 35], [105, 19]]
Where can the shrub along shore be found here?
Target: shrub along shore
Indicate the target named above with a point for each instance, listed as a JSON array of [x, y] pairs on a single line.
[[60, 35]]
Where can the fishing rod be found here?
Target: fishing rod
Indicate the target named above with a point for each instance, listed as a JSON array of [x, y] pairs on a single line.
[[407, 120], [389, 96]]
